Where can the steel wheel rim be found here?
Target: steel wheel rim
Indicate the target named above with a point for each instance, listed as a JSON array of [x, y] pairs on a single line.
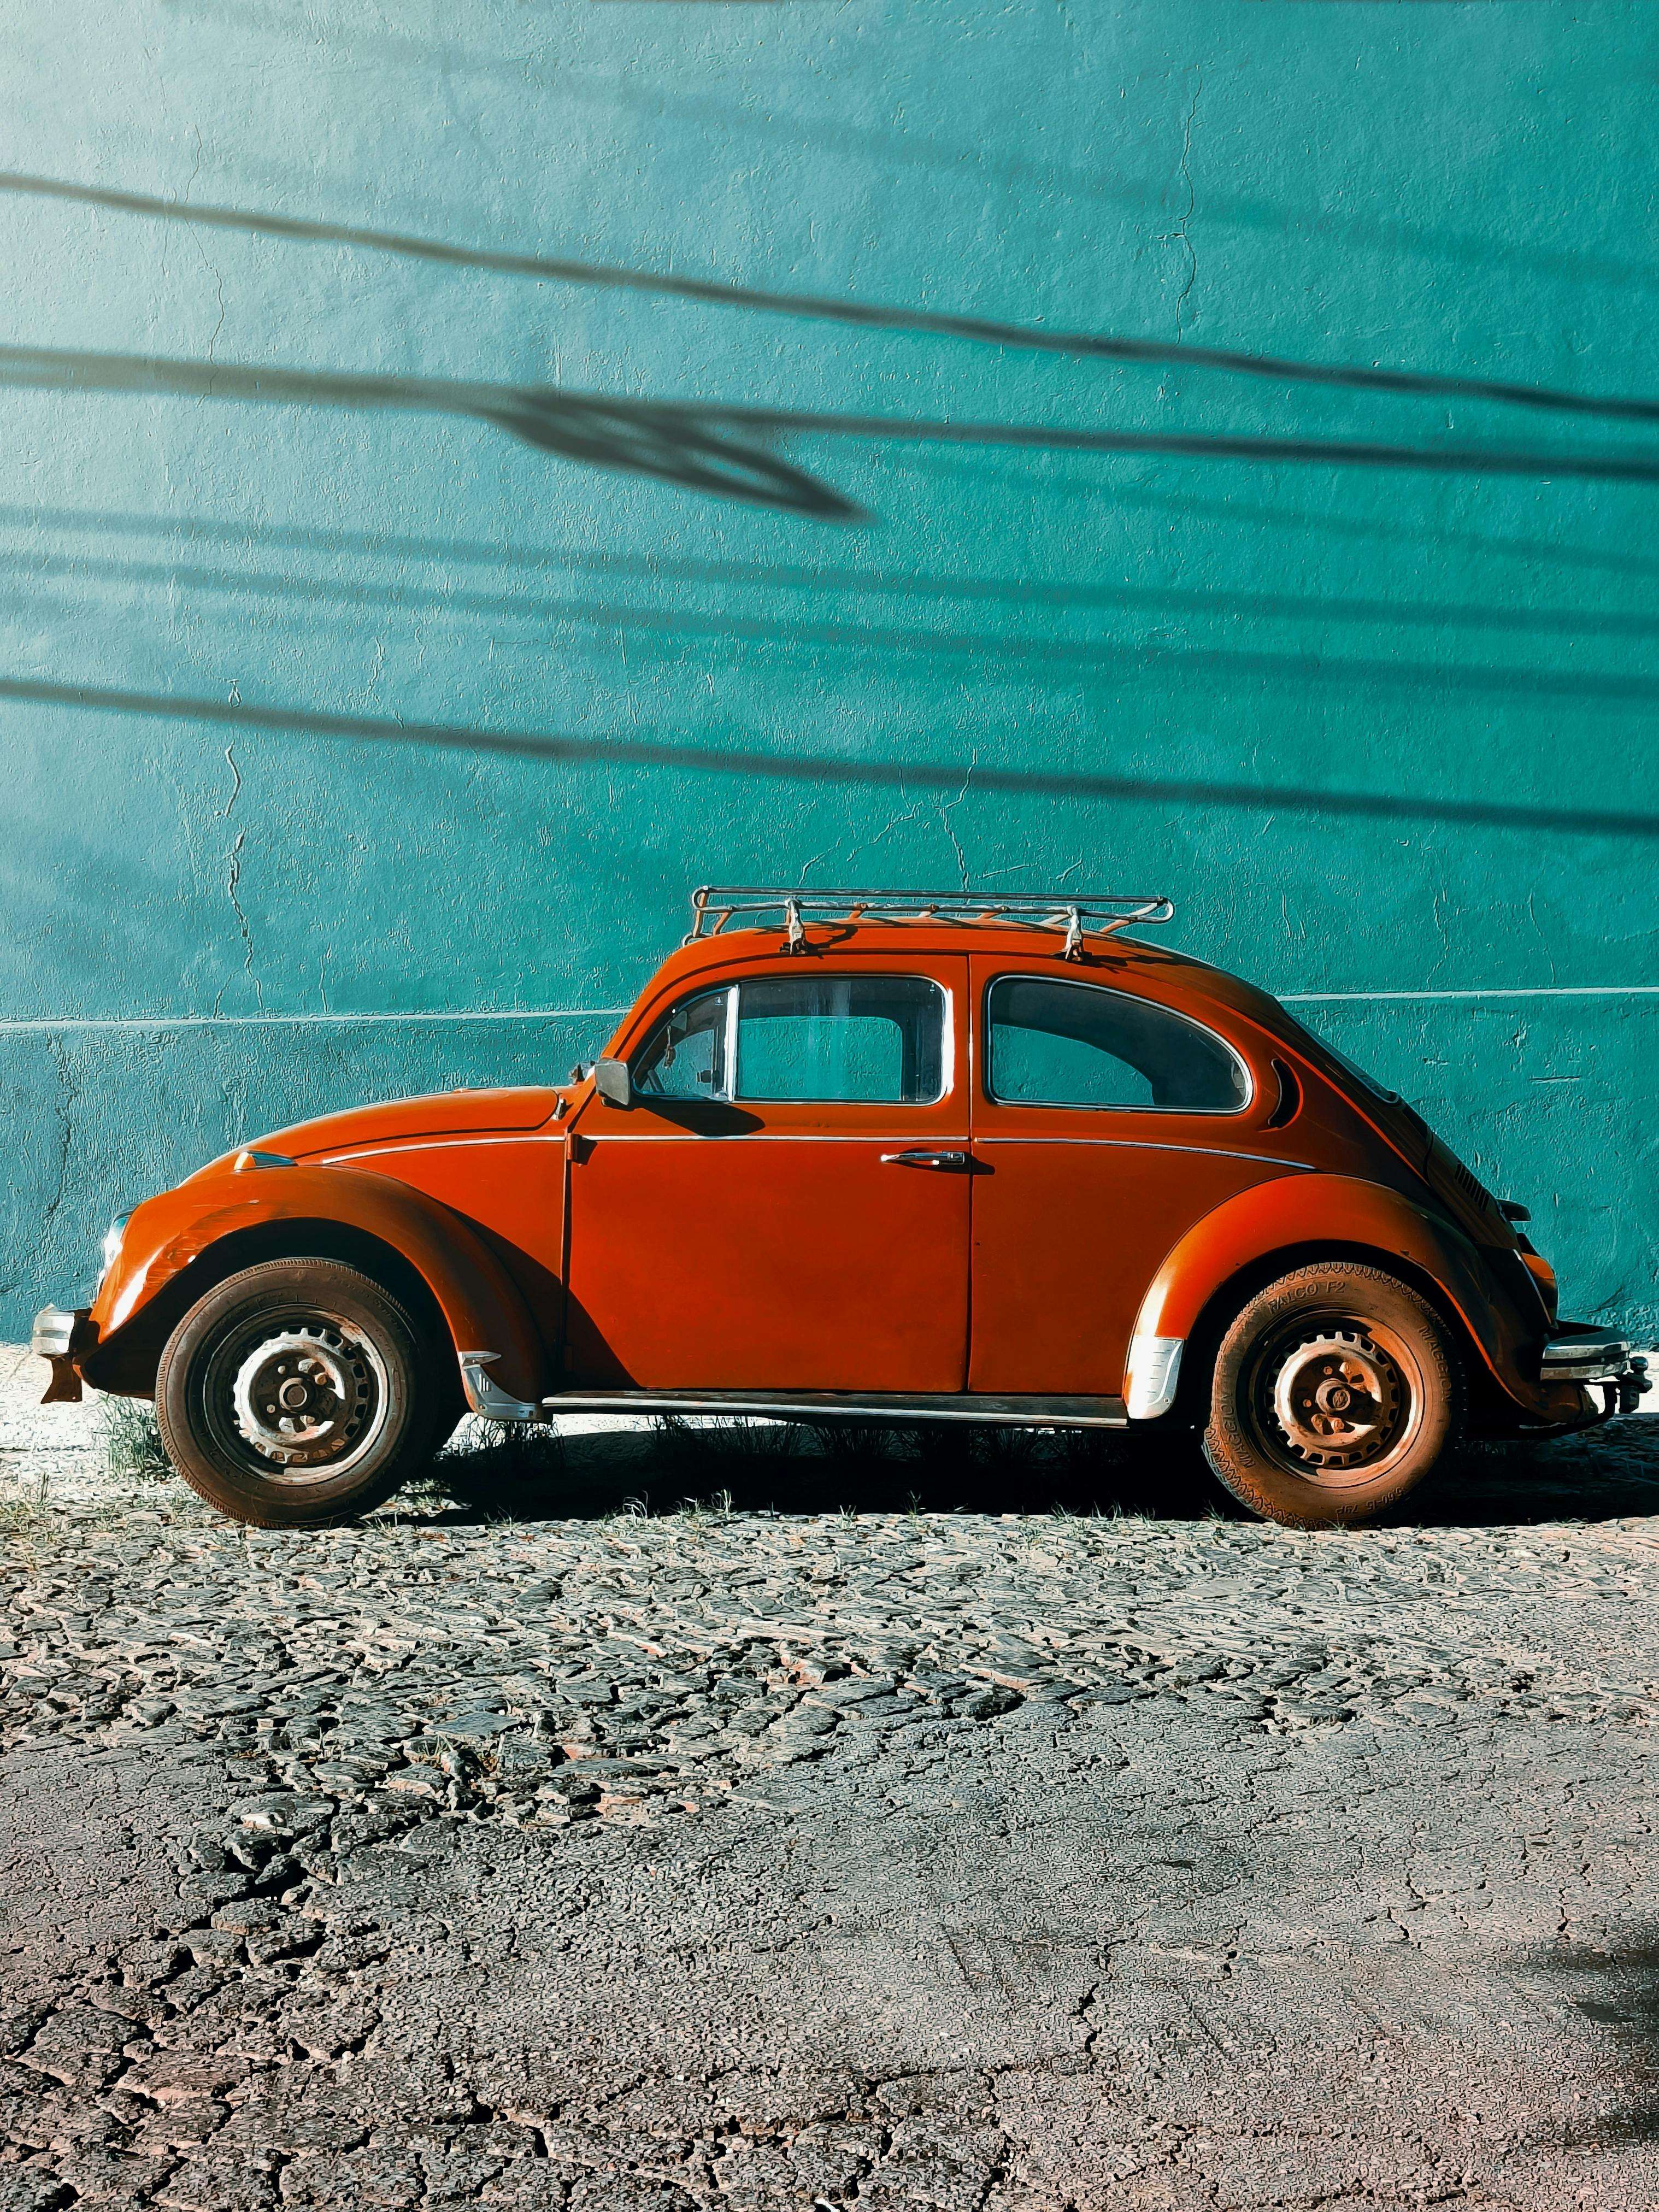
[[296, 1395], [1335, 1398]]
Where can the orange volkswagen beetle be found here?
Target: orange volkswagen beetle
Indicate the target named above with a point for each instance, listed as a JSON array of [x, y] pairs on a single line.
[[887, 1155]]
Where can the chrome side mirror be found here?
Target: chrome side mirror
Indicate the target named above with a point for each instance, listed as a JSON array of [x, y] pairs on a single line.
[[613, 1081]]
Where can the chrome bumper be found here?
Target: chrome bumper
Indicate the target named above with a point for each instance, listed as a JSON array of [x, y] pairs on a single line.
[[54, 1329], [54, 1337], [1600, 1360]]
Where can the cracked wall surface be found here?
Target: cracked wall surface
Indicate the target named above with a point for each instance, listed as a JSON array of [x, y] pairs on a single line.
[[387, 634]]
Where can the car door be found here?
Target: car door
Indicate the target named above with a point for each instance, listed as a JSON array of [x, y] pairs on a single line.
[[785, 1206], [1105, 1124]]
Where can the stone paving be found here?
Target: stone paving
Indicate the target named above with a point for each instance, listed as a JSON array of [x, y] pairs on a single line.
[[760, 1853]]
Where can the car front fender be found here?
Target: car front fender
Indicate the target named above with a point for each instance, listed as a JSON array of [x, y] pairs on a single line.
[[175, 1239], [1299, 1219]]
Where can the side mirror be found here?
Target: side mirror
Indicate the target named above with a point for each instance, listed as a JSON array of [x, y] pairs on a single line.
[[613, 1081]]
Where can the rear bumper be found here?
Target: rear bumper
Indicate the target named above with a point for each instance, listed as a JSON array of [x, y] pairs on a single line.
[[1600, 1359], [62, 1337], [1592, 1357]]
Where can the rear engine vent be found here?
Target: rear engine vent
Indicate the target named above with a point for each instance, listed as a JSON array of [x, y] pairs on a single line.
[[1475, 1192]]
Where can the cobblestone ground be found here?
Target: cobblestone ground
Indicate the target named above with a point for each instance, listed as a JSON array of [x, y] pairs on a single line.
[[524, 1848]]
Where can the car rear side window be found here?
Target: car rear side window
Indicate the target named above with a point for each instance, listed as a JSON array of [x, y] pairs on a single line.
[[1053, 1043], [875, 1040]]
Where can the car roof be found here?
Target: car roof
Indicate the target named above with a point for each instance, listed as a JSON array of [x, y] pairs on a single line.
[[1103, 954]]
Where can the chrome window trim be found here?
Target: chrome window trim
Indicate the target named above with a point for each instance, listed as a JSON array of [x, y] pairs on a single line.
[[728, 1097], [1107, 990], [728, 1044]]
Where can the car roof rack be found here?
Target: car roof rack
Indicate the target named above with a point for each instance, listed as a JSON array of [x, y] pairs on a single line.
[[1078, 913]]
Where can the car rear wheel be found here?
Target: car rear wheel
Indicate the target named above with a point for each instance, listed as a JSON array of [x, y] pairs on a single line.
[[1336, 1391], [300, 1393]]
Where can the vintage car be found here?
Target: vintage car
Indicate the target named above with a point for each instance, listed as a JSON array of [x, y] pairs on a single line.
[[880, 1155]]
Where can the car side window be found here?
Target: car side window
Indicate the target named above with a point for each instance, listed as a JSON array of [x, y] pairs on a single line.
[[685, 1055], [876, 1040], [1054, 1043]]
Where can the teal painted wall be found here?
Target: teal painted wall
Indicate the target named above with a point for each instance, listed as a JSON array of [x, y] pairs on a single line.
[[356, 692]]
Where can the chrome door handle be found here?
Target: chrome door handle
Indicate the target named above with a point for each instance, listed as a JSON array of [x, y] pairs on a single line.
[[924, 1159]]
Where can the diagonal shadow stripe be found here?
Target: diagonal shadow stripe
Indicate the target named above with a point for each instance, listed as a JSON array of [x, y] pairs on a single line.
[[686, 446], [1045, 660], [1010, 336], [688, 442], [821, 768], [539, 557]]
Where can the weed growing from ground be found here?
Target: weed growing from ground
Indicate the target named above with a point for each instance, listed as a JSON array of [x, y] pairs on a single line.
[[498, 1470], [133, 1450]]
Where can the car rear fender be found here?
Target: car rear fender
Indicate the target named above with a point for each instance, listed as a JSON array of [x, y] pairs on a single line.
[[1247, 1240], [178, 1245]]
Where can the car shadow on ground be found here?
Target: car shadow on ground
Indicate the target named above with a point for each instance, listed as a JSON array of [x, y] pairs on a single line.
[[1604, 1475], [1614, 1985]]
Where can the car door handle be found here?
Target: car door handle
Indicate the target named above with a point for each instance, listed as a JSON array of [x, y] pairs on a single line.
[[924, 1159]]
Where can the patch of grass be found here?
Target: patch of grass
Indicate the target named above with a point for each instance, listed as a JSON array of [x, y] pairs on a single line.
[[1088, 1453], [693, 1518], [699, 1457], [498, 1469], [425, 1495], [133, 1450], [1004, 1451], [860, 1444], [695, 1448], [22, 1517]]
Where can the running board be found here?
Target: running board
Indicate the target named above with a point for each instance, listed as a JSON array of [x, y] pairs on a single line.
[[984, 1407]]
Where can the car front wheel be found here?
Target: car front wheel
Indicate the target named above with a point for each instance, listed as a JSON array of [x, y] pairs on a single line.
[[300, 1393], [1336, 1391]]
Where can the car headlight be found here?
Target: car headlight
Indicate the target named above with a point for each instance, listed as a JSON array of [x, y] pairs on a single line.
[[110, 1250]]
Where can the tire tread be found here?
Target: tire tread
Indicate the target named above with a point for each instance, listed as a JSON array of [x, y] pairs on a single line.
[[1274, 1493], [295, 1278]]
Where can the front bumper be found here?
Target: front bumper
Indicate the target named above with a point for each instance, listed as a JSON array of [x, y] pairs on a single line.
[[1597, 1359], [62, 1337]]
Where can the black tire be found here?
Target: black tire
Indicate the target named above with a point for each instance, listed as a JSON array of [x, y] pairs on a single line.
[[300, 1393], [1336, 1391]]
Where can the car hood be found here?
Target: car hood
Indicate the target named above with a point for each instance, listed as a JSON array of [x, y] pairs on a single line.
[[450, 1113]]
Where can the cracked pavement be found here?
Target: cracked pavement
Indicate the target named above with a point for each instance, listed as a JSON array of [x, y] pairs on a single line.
[[520, 1848]]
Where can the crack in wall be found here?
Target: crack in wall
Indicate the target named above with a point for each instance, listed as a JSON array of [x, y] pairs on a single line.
[[66, 1097], [1179, 234], [945, 814], [232, 876], [231, 879], [219, 283]]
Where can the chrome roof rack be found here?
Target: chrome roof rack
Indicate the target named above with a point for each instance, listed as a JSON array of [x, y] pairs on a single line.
[[1078, 913]]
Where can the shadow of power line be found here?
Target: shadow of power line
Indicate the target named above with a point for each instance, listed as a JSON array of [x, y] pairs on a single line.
[[690, 759]]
